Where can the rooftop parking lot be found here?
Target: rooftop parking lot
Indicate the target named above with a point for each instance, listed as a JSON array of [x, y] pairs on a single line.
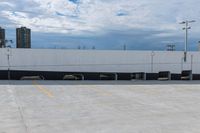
[[99, 107]]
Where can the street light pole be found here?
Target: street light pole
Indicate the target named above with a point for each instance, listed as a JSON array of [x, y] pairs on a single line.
[[186, 28], [8, 58], [152, 55], [8, 55]]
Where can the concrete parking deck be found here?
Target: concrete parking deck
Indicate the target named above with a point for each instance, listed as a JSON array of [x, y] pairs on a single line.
[[99, 107]]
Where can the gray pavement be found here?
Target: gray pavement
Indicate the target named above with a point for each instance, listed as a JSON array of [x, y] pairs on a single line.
[[99, 107]]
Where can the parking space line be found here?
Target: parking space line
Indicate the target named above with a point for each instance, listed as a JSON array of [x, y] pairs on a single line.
[[43, 89]]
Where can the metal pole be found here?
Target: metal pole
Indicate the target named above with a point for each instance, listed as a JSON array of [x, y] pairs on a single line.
[[182, 64], [186, 36], [116, 76], [152, 55], [8, 57], [191, 62], [186, 41], [152, 63]]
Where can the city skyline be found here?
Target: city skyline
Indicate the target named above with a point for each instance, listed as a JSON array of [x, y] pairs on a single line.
[[140, 25]]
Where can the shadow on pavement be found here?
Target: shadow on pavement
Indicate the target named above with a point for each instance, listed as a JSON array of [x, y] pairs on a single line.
[[87, 82]]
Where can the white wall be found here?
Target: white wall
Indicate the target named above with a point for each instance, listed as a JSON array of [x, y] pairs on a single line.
[[97, 61]]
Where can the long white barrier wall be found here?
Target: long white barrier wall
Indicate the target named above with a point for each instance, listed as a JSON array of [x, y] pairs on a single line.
[[97, 60]]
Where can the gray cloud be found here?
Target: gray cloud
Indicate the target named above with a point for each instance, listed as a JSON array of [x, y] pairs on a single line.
[[111, 23]]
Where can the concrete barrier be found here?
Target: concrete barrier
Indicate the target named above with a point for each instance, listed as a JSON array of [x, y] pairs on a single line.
[[164, 75], [186, 75]]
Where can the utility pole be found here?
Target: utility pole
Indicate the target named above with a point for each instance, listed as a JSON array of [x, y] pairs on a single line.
[[8, 56], [152, 56], [186, 23], [191, 62]]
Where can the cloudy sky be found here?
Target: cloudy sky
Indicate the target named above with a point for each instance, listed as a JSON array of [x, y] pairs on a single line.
[[104, 24]]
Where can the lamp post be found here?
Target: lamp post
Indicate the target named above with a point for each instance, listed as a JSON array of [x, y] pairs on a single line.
[[8, 56], [152, 55], [8, 53], [186, 28]]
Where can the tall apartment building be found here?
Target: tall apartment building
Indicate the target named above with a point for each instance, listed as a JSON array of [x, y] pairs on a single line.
[[23, 37], [2, 37]]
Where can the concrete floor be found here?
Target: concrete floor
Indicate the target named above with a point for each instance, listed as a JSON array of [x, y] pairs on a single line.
[[99, 107]]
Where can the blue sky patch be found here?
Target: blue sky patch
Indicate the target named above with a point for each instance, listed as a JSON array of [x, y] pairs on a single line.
[[74, 1]]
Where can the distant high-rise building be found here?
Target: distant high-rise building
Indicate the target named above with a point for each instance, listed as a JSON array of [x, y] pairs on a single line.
[[171, 47], [2, 37], [23, 37]]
